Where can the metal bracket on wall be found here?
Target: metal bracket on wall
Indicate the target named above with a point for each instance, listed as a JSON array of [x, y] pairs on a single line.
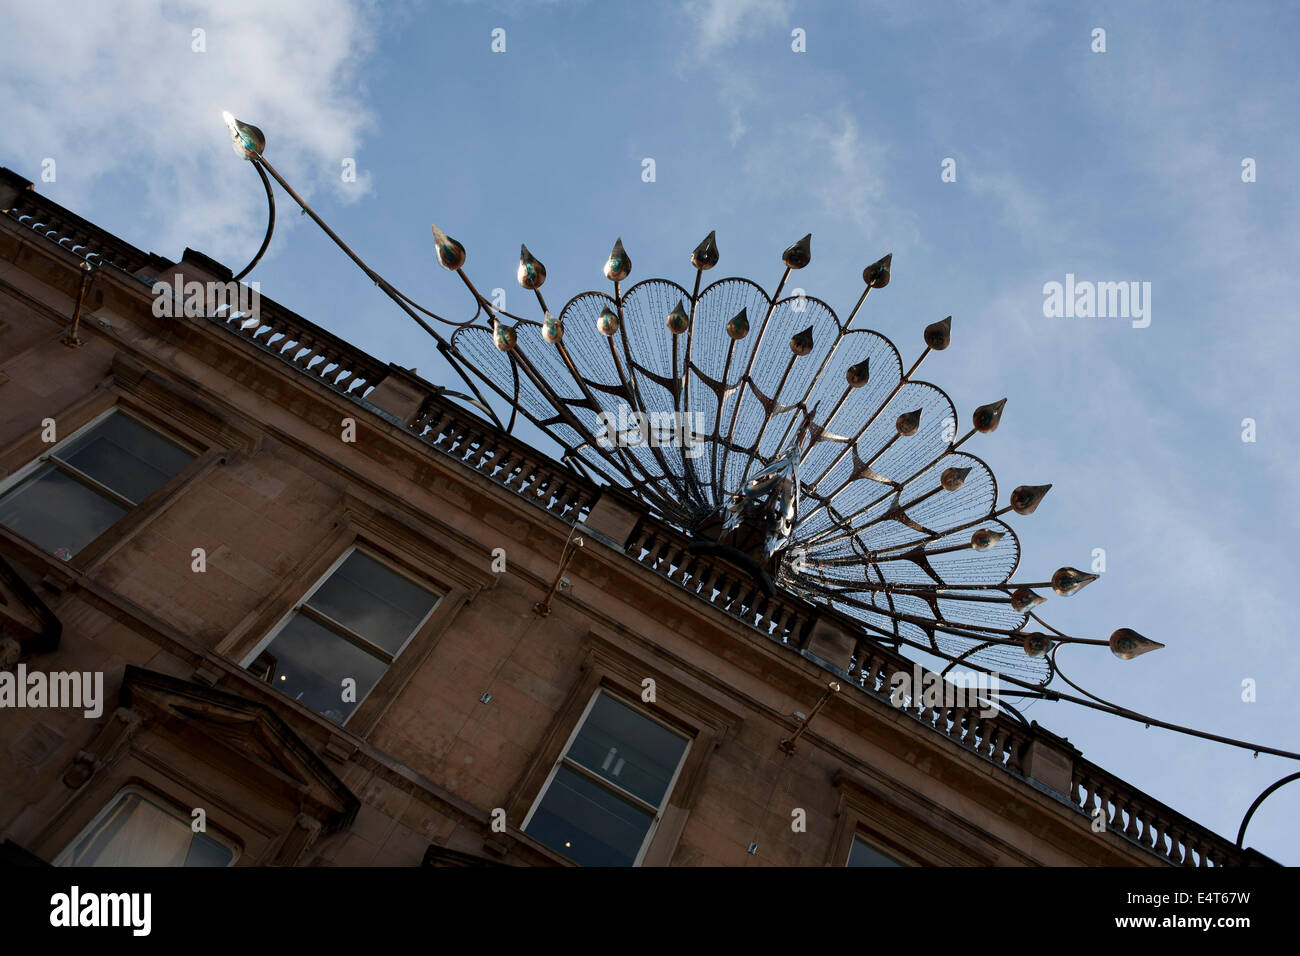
[[571, 547], [787, 745]]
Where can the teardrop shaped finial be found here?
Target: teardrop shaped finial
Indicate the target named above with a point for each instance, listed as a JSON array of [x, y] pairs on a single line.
[[248, 141], [876, 275], [986, 417], [705, 255], [738, 327], [939, 334], [908, 423], [802, 342], [1026, 498], [451, 254], [678, 320], [503, 336], [618, 266], [607, 322], [1127, 644], [531, 273], [1067, 581], [953, 478], [552, 329], [858, 375], [800, 254], [1022, 599], [1036, 645], [985, 538]]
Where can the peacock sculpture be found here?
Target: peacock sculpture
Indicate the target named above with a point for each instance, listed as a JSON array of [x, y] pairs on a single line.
[[778, 437], [796, 445]]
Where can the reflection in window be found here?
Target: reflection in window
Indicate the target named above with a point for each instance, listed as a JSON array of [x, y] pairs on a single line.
[[351, 626], [84, 484], [608, 787], [135, 831], [863, 853]]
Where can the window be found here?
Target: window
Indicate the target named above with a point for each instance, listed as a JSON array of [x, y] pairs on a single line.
[[862, 853], [85, 483], [351, 626], [606, 792], [135, 830]]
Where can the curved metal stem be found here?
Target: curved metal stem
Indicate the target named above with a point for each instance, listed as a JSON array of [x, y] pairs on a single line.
[[1241, 833], [514, 406], [1097, 703], [433, 315], [270, 223], [1119, 711], [445, 347]]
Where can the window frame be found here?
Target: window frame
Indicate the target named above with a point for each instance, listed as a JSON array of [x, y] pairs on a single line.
[[453, 567], [47, 456], [903, 823], [860, 834], [342, 631], [563, 760], [162, 802], [688, 698]]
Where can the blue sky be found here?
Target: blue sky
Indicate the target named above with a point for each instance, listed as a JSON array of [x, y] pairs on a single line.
[[1117, 166]]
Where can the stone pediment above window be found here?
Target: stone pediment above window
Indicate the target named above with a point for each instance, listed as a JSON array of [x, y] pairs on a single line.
[[910, 827], [176, 403], [439, 856], [27, 625], [246, 736]]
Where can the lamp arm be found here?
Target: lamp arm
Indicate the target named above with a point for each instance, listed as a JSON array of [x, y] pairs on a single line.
[[1241, 833], [270, 223], [445, 347], [1118, 711]]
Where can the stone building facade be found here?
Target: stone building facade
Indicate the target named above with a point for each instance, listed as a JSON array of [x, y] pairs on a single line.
[[308, 583]]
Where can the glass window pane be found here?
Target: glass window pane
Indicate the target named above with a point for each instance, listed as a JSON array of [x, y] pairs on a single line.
[[587, 823], [374, 601], [311, 662], [205, 851], [124, 455], [57, 512], [625, 747], [137, 832], [863, 853]]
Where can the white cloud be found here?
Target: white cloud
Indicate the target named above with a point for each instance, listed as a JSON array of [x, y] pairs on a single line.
[[837, 168], [126, 94], [1238, 247], [738, 127], [1019, 206], [720, 23]]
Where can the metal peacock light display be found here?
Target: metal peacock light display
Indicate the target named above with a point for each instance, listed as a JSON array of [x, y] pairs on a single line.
[[796, 445], [788, 441]]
